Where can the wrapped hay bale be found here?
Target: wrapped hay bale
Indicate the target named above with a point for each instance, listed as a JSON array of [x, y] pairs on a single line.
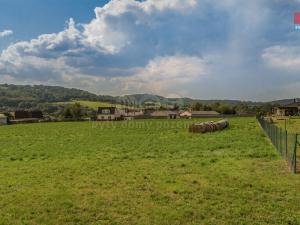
[[208, 126], [199, 128]]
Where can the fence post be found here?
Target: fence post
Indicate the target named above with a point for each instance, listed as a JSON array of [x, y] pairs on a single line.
[[286, 143], [295, 154], [285, 124], [280, 141]]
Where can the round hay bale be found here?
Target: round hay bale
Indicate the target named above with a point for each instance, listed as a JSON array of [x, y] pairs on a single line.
[[208, 126]]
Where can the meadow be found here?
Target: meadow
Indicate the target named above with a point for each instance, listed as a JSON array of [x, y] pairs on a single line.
[[292, 124], [143, 172]]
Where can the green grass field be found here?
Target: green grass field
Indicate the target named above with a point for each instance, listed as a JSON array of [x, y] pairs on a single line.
[[292, 124], [149, 172], [91, 104]]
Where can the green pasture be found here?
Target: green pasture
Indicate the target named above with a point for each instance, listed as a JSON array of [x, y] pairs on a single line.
[[143, 172], [292, 124]]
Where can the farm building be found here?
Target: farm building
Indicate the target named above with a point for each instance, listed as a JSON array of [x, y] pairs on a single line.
[[130, 114], [3, 119], [165, 115], [28, 115], [112, 113], [204, 114], [109, 114], [37, 114], [292, 109], [186, 115], [21, 115]]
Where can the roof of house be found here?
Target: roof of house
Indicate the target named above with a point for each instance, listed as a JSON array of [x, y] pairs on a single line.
[[205, 113], [291, 105]]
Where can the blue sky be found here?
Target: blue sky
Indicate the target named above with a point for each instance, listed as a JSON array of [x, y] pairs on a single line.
[[31, 18], [206, 49]]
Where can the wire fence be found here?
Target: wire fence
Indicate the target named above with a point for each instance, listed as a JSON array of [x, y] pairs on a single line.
[[285, 142]]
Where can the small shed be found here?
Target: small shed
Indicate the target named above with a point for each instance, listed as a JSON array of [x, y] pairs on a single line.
[[165, 115], [3, 119]]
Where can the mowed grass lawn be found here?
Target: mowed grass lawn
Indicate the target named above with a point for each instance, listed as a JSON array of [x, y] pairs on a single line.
[[143, 172]]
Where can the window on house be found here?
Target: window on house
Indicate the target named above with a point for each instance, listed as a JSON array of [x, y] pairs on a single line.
[[105, 111]]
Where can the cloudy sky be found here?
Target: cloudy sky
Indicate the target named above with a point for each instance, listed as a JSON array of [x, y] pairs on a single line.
[[208, 49]]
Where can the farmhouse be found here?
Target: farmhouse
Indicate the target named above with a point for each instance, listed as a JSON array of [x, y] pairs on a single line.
[[3, 119], [292, 109], [112, 113], [205, 114], [108, 114], [165, 115]]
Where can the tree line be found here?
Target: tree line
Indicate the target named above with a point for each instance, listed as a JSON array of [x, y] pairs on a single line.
[[39, 97]]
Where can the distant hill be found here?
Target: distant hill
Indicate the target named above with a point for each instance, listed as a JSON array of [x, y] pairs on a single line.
[[141, 98], [285, 101], [23, 96], [42, 93], [14, 95]]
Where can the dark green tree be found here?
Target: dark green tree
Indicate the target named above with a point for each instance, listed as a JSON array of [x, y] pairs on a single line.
[[197, 106]]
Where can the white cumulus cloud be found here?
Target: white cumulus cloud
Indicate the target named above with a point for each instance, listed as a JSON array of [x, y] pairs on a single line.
[[124, 35], [6, 33], [165, 75], [284, 57], [170, 47]]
